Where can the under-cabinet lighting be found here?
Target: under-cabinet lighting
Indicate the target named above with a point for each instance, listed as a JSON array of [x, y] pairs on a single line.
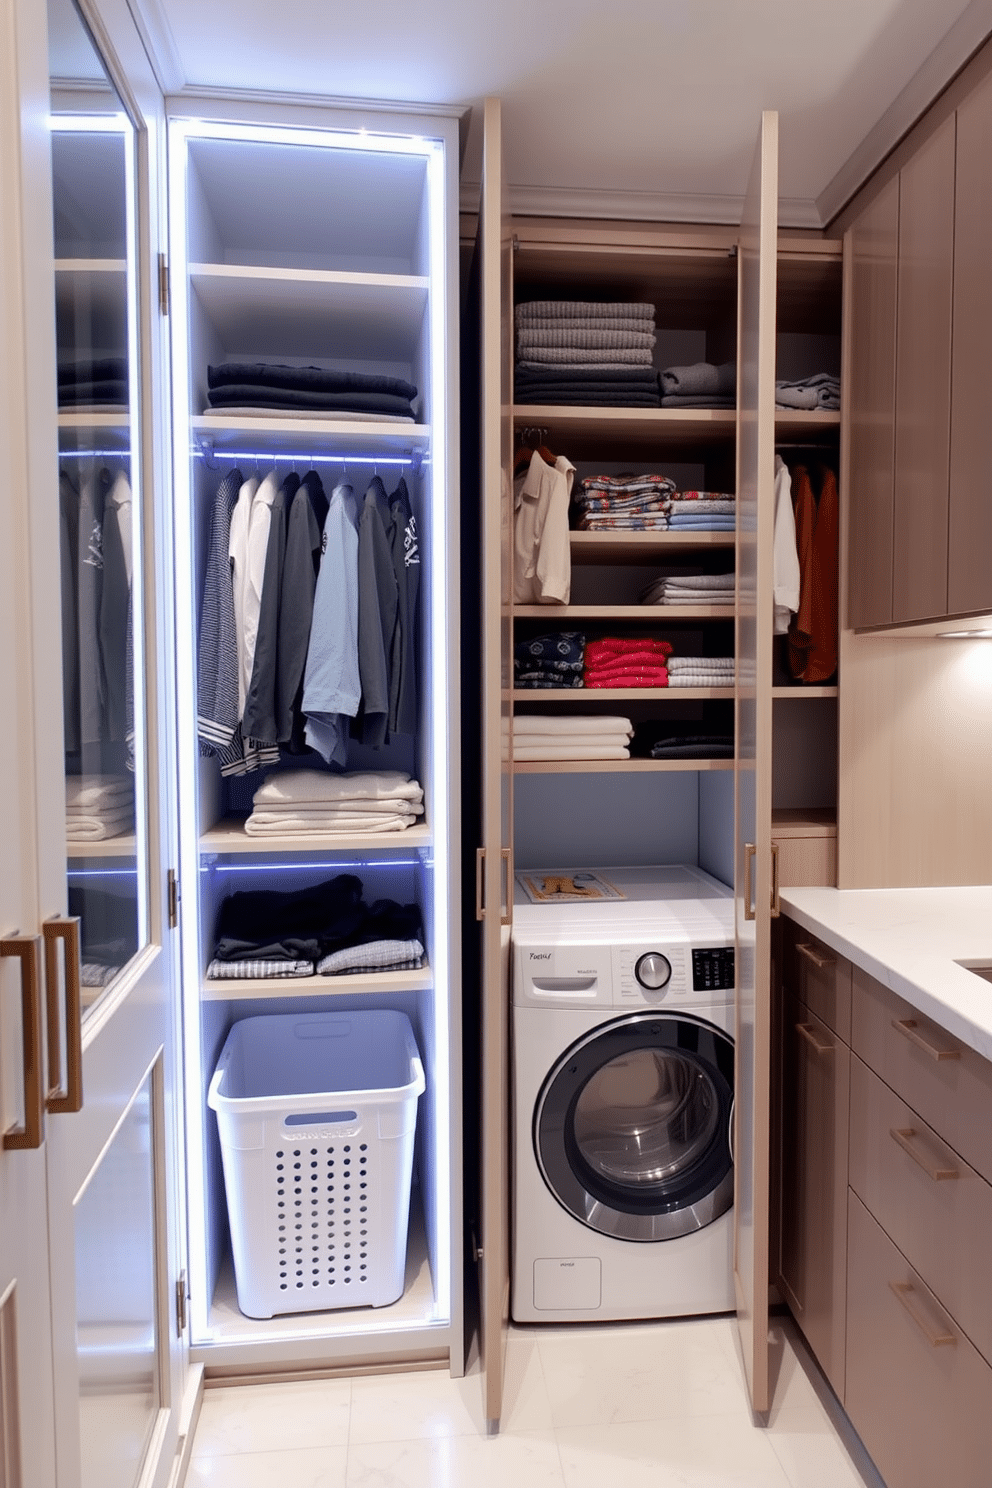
[[298, 457], [362, 139], [965, 635], [304, 867]]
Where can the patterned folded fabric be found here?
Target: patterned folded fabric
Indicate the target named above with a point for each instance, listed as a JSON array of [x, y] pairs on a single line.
[[581, 309], [561, 649], [229, 971], [703, 507], [374, 955], [560, 679]]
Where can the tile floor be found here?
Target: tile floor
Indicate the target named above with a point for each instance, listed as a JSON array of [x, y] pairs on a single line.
[[660, 1405]]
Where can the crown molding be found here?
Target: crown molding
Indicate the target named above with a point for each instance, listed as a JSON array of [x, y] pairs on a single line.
[[970, 30], [159, 42], [193, 92], [638, 206]]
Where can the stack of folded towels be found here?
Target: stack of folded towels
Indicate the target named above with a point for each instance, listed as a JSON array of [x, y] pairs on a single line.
[[573, 737], [638, 503], [98, 807], [328, 930], [691, 589], [702, 385], [99, 383], [305, 392], [617, 661], [701, 671], [298, 802], [585, 352], [702, 511], [553, 660], [822, 390]]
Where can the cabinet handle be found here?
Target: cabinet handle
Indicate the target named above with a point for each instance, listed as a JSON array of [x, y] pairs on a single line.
[[27, 949], [902, 1291], [903, 1136], [506, 857], [910, 1028], [480, 908], [776, 905], [748, 874], [64, 928], [819, 960], [808, 1032]]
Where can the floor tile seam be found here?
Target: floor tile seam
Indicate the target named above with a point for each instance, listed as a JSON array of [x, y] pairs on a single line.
[[801, 1482]]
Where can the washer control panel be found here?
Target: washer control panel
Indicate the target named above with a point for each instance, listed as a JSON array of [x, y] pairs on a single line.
[[643, 975]]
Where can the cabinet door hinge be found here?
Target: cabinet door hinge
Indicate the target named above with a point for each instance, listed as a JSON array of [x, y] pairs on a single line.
[[163, 284], [173, 899], [181, 1298]]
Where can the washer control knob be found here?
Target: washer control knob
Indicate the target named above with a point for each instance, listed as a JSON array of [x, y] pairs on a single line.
[[653, 971]]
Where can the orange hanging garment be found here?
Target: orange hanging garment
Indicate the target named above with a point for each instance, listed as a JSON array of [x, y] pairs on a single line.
[[813, 631]]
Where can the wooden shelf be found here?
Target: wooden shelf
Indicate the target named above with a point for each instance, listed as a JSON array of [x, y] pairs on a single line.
[[643, 547], [616, 767], [804, 821], [799, 423], [651, 614], [229, 836], [618, 694], [270, 432], [124, 846], [243, 988], [804, 693], [322, 313], [593, 432]]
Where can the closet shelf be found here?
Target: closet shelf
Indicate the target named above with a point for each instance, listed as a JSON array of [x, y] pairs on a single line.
[[112, 847], [321, 313], [269, 432], [593, 432], [649, 613], [269, 988], [616, 767], [796, 423], [804, 821], [77, 431], [642, 547], [618, 694], [229, 836], [798, 691]]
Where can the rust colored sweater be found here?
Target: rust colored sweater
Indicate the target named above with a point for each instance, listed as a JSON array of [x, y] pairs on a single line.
[[813, 631]]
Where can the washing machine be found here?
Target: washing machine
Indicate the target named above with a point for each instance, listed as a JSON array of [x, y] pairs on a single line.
[[623, 1094]]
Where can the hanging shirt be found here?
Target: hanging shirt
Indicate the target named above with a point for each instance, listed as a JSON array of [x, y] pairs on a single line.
[[217, 659], [238, 554], [331, 685], [259, 722], [69, 553], [115, 603], [378, 604], [406, 566], [301, 564], [92, 683], [785, 556], [258, 541], [542, 561]]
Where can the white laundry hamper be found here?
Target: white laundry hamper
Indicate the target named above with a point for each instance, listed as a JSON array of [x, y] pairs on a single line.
[[317, 1115]]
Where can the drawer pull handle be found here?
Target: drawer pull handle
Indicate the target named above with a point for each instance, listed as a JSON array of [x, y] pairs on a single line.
[[910, 1028], [903, 1136], [818, 1045], [817, 957], [903, 1291]]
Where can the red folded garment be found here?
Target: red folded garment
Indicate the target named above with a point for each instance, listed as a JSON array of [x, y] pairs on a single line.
[[630, 677], [612, 648]]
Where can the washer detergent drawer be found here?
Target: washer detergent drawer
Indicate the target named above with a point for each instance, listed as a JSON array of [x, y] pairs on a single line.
[[572, 1283], [563, 976]]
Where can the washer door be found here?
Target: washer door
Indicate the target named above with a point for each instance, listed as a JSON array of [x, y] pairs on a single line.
[[632, 1127]]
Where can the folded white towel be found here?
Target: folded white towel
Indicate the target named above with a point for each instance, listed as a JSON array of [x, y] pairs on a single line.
[[571, 723], [700, 679], [700, 663], [294, 826], [570, 752], [98, 828], [579, 741], [308, 786], [86, 792], [328, 811]]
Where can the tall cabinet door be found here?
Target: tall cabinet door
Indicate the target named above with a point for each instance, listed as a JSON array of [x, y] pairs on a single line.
[[495, 864], [99, 804], [753, 773]]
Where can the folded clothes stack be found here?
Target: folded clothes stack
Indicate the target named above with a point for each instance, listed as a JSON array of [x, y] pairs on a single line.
[[822, 391], [693, 746], [553, 660], [702, 385], [95, 384], [298, 802], [691, 589], [701, 671], [619, 661], [98, 807], [637, 503], [702, 511], [328, 930], [305, 392], [585, 352], [574, 737]]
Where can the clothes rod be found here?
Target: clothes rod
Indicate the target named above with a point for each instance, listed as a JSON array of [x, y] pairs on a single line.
[[88, 454], [301, 457]]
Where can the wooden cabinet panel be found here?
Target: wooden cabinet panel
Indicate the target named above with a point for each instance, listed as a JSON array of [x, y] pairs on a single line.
[[918, 1393], [969, 571], [947, 1083], [873, 245], [813, 1234], [923, 379], [928, 1199], [820, 978]]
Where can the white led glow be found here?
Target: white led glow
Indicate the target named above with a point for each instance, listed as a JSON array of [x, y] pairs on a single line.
[[964, 635]]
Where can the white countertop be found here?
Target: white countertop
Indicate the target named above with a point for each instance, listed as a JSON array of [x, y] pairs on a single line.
[[912, 941]]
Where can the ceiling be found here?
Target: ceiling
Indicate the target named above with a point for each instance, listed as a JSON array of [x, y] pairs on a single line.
[[618, 107]]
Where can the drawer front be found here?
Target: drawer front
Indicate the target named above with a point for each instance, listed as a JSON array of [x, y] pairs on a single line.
[[820, 978], [918, 1394], [944, 1081], [929, 1201]]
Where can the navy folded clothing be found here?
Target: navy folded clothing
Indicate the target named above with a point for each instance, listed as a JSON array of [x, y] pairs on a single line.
[[718, 400], [102, 369], [644, 387], [562, 650], [318, 379], [254, 395], [535, 372], [271, 925], [590, 400], [105, 390]]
